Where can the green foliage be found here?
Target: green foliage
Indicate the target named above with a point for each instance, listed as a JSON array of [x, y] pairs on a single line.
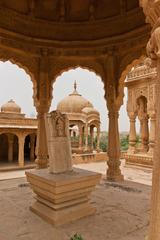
[[76, 237], [124, 142], [103, 142], [75, 138]]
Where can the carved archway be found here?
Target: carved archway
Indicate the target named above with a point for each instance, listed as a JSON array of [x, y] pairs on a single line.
[[9, 147], [28, 64], [127, 63], [58, 67]]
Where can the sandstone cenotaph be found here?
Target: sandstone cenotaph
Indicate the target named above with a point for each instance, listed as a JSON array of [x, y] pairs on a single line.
[[62, 192]]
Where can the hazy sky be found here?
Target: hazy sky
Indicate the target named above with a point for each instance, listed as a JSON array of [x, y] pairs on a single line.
[[16, 84]]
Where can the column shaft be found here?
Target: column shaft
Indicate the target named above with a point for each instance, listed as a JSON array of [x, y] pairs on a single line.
[[86, 137], [91, 137], [113, 171], [152, 134], [98, 139], [21, 140], [32, 147], [10, 147], [154, 233], [132, 134], [145, 135], [80, 138], [41, 148]]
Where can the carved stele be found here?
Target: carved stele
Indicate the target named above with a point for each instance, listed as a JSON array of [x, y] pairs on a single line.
[[59, 148], [64, 197]]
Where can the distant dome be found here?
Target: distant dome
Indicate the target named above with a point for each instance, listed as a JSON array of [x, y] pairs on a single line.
[[10, 107], [90, 110], [74, 103]]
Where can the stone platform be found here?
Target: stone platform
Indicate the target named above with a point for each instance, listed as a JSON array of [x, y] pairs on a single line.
[[122, 213], [62, 198]]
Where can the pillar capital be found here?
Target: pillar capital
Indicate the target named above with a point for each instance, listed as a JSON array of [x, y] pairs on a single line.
[[132, 116], [42, 109], [113, 114], [152, 115]]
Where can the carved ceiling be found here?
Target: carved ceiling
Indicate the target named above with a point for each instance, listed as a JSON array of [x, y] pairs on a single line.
[[76, 20]]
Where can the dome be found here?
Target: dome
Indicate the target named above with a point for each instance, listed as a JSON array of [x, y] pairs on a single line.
[[10, 107], [74, 103], [89, 110]]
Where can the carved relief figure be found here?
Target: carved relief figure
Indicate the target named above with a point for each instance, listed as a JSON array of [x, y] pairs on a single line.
[[60, 127]]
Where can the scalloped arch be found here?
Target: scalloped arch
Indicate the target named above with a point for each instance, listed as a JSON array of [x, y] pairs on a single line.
[[64, 66], [23, 66], [131, 63], [93, 67]]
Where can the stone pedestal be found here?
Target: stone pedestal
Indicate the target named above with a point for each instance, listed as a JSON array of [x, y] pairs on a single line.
[[62, 193], [61, 198]]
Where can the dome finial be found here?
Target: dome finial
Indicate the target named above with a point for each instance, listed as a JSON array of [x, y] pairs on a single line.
[[75, 85]]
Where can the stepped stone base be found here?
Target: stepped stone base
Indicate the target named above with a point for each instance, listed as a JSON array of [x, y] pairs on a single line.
[[62, 198]]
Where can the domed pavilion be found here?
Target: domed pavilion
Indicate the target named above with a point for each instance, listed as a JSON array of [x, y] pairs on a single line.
[[17, 137], [83, 119], [141, 106], [46, 38]]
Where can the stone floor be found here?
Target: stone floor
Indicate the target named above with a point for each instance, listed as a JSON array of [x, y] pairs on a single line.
[[122, 210], [135, 174]]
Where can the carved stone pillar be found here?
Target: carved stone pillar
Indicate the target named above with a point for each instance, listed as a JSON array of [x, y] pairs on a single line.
[[86, 137], [113, 171], [32, 147], [152, 11], [132, 133], [154, 233], [91, 137], [152, 133], [42, 103], [144, 134], [41, 148], [114, 101], [21, 140], [80, 137], [98, 139], [10, 147]]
